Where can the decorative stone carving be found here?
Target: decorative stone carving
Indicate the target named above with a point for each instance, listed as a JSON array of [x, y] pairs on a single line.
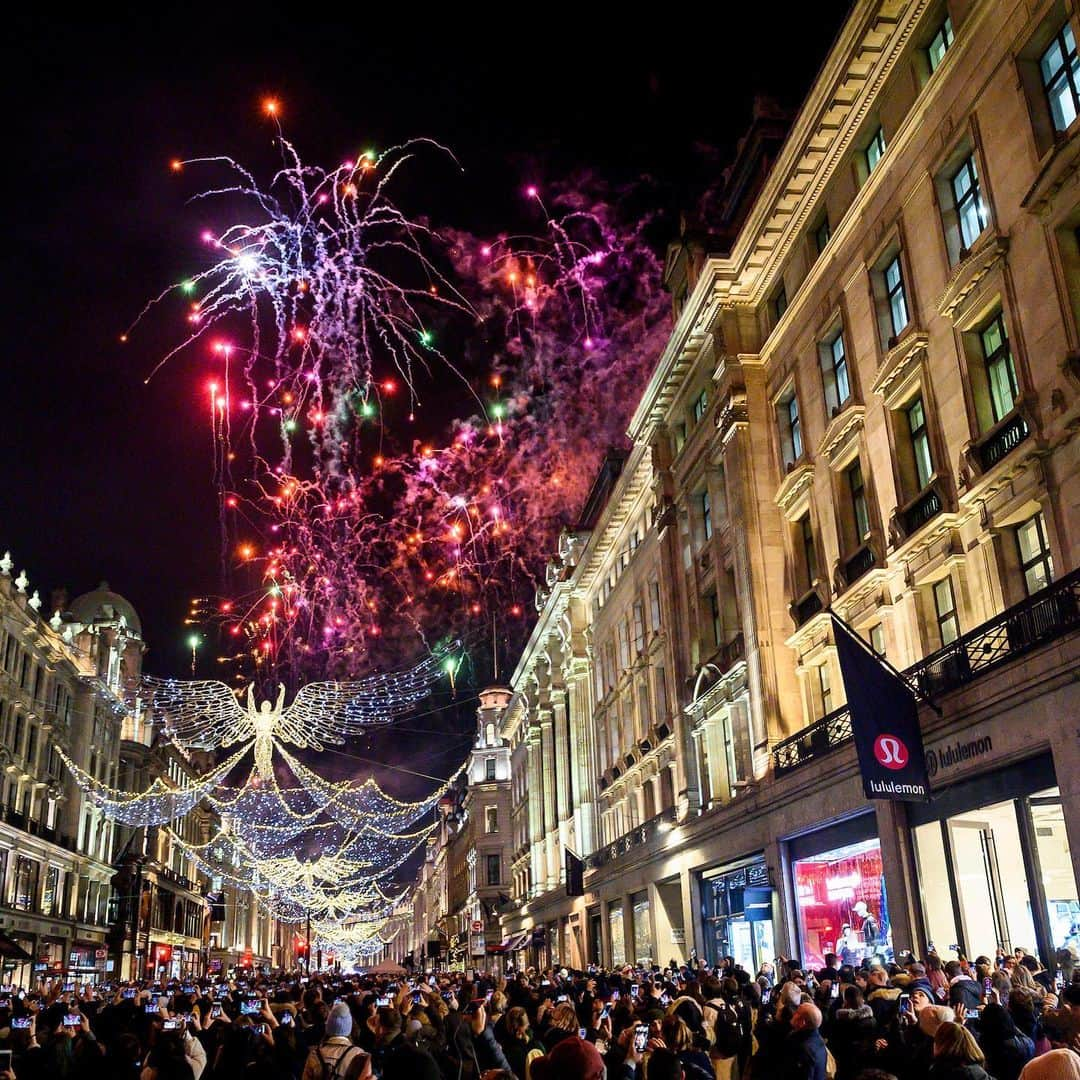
[[21, 582]]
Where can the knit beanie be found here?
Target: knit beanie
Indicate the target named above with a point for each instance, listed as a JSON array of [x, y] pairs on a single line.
[[339, 1022]]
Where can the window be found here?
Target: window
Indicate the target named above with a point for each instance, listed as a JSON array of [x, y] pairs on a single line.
[[489, 769], [639, 626], [806, 541], [791, 444], [662, 710], [875, 151], [779, 304], [1060, 72], [939, 44], [717, 622], [680, 438], [493, 869], [624, 645], [920, 443], [25, 884], [825, 688], [706, 515], [877, 638], [1035, 558], [644, 704], [491, 819], [895, 295], [968, 202], [860, 511], [822, 234], [945, 610], [1000, 373], [52, 900], [834, 373], [654, 605], [701, 403]]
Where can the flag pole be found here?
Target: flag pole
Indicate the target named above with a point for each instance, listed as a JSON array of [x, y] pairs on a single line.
[[884, 662]]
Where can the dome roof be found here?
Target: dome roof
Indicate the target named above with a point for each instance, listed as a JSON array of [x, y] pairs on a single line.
[[103, 605]]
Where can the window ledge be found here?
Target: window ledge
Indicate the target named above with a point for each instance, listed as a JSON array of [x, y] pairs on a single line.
[[989, 250], [1061, 163], [842, 430], [898, 365], [797, 483]]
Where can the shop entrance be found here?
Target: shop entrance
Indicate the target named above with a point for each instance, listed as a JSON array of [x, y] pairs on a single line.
[[994, 866], [737, 909], [596, 938], [986, 898]]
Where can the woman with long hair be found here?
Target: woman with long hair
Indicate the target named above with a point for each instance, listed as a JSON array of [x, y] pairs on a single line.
[[957, 1055]]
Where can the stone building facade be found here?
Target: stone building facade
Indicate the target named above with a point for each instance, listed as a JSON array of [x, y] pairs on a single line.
[[81, 895], [868, 406]]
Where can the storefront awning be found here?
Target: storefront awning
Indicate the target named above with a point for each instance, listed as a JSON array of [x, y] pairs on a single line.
[[517, 941]]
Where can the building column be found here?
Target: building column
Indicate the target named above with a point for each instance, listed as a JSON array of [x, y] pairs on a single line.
[[550, 828], [1065, 747], [536, 814], [898, 864], [563, 807], [583, 736]]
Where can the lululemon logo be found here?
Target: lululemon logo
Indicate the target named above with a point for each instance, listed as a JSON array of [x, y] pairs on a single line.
[[890, 752]]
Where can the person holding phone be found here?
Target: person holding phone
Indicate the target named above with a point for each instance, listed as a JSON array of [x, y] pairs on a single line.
[[522, 1046]]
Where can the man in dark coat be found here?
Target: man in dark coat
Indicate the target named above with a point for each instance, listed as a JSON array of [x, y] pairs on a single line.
[[803, 1055]]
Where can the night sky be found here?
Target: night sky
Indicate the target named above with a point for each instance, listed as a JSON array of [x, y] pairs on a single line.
[[105, 477]]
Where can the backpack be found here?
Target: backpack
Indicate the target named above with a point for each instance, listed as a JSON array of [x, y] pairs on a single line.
[[333, 1070], [720, 1023]]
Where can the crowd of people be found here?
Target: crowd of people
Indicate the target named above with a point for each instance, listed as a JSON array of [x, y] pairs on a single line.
[[1004, 1018]]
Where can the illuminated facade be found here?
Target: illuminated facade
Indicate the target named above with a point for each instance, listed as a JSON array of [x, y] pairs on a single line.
[[869, 404], [80, 894]]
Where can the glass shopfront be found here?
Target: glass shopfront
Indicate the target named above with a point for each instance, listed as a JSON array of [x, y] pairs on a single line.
[[618, 942], [643, 943], [737, 907], [840, 896], [994, 866]]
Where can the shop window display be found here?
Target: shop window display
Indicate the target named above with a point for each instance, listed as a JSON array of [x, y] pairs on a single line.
[[643, 950], [618, 942], [842, 905], [1055, 865]]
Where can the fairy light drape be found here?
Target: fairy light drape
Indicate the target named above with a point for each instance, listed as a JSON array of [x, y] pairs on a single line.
[[304, 846]]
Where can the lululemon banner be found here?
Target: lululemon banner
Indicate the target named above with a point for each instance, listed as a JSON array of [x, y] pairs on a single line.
[[885, 722]]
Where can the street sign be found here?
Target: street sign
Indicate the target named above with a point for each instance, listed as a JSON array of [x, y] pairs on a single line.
[[477, 926]]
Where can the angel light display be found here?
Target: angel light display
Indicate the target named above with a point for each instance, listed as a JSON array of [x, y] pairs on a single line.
[[205, 714]]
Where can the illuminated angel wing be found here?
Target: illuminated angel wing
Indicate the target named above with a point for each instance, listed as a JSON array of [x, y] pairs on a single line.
[[329, 712], [200, 713]]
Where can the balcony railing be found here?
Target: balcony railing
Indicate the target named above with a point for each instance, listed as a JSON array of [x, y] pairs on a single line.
[[36, 828], [829, 732], [640, 834], [1001, 441], [920, 510], [859, 564], [806, 607], [1047, 615], [734, 651]]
